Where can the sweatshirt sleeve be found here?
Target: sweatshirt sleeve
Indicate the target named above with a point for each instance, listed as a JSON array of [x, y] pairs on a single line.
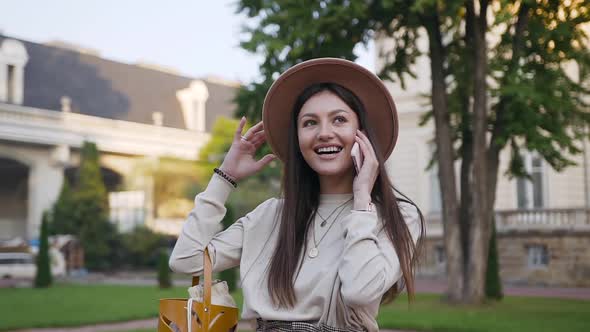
[[370, 265], [202, 228]]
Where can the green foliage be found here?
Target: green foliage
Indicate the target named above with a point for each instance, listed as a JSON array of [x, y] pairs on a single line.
[[43, 278], [493, 280], [140, 248], [173, 180], [83, 211], [164, 278], [96, 233], [63, 213], [230, 275]]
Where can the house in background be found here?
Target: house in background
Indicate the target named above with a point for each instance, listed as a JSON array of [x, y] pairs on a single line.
[[53, 97], [543, 224]]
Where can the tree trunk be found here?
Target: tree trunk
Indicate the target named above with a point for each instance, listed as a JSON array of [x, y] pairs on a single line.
[[446, 170], [466, 203], [479, 232]]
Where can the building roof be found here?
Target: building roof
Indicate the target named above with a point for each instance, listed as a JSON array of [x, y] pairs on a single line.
[[115, 90]]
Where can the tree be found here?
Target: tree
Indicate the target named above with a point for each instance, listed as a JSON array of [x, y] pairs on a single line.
[[43, 277], [96, 233], [493, 280], [533, 103], [63, 213]]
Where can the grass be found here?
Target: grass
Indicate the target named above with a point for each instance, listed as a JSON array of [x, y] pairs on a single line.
[[71, 305], [520, 314]]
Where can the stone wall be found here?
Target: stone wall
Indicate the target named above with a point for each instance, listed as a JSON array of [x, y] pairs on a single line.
[[561, 258]]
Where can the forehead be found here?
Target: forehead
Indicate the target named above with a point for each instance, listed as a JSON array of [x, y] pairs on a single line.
[[323, 102]]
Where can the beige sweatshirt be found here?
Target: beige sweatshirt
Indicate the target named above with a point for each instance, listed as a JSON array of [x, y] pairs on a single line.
[[341, 287]]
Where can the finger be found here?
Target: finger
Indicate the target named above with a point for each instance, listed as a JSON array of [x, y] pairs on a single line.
[[367, 142], [367, 152], [256, 136], [256, 128], [259, 141], [238, 134], [264, 161]]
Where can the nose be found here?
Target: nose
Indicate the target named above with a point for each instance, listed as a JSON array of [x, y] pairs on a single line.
[[326, 132]]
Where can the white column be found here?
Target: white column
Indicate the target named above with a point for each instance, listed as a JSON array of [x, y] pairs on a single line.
[[18, 85], [200, 105], [45, 181]]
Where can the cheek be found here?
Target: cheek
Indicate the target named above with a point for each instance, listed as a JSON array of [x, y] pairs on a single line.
[[303, 140]]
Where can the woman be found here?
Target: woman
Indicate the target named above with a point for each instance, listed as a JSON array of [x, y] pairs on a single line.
[[335, 245]]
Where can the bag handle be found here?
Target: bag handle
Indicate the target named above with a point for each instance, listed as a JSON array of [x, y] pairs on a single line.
[[207, 284]]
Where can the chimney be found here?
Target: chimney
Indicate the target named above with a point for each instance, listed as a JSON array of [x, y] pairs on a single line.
[[158, 118], [66, 104]]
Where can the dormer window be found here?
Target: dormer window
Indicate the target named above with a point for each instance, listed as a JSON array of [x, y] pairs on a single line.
[[13, 58], [193, 100]]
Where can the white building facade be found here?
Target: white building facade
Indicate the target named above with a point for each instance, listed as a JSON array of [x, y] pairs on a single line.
[[52, 99]]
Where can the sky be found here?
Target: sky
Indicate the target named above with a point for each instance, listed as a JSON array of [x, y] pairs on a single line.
[[197, 38]]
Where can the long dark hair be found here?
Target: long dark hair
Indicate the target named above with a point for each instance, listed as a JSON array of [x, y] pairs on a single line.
[[301, 191]]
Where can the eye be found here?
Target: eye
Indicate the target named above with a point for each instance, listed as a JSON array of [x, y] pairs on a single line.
[[340, 119], [307, 123]]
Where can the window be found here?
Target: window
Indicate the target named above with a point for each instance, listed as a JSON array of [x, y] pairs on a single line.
[[530, 192], [10, 84], [435, 195], [538, 256], [439, 255]]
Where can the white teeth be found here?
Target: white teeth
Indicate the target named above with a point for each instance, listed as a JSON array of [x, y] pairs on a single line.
[[329, 149]]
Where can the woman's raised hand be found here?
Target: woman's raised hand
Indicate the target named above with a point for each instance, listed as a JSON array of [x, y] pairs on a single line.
[[239, 161]]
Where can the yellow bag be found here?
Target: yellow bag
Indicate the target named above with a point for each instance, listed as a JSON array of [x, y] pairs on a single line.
[[204, 317]]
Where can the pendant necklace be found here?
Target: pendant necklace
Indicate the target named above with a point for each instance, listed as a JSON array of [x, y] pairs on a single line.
[[325, 220], [314, 251]]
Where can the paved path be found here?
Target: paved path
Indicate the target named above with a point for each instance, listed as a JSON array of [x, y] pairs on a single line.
[[440, 286]]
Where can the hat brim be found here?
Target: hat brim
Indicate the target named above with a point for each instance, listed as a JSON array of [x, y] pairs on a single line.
[[280, 99]]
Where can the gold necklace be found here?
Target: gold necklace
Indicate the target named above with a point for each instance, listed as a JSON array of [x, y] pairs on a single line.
[[314, 251], [325, 220]]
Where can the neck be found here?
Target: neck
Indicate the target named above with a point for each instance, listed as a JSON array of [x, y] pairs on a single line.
[[336, 184]]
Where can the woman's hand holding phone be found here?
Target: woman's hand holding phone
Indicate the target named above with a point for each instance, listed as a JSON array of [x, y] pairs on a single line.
[[357, 157], [240, 162], [368, 169]]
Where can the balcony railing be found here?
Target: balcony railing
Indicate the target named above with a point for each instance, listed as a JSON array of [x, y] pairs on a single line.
[[543, 219], [566, 219]]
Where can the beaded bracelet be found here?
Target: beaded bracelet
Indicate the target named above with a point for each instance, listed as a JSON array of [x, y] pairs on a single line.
[[226, 177]]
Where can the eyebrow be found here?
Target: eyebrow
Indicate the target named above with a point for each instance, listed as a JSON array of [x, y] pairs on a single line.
[[313, 115]]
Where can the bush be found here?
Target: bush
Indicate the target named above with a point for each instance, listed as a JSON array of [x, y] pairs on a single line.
[[164, 279], [43, 277], [140, 248], [493, 281]]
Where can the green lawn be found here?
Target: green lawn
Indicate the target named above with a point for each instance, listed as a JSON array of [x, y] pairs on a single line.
[[520, 314], [70, 305]]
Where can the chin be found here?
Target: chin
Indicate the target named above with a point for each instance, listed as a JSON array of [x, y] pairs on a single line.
[[323, 170]]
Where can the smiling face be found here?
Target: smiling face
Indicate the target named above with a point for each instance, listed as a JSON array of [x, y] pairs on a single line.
[[326, 129]]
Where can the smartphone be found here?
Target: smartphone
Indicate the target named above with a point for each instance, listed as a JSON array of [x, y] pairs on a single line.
[[357, 157]]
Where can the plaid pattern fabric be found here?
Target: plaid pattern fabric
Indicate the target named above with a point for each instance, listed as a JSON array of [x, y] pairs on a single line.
[[285, 326]]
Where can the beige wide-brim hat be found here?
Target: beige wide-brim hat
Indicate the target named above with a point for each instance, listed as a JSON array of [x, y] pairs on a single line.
[[281, 97]]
